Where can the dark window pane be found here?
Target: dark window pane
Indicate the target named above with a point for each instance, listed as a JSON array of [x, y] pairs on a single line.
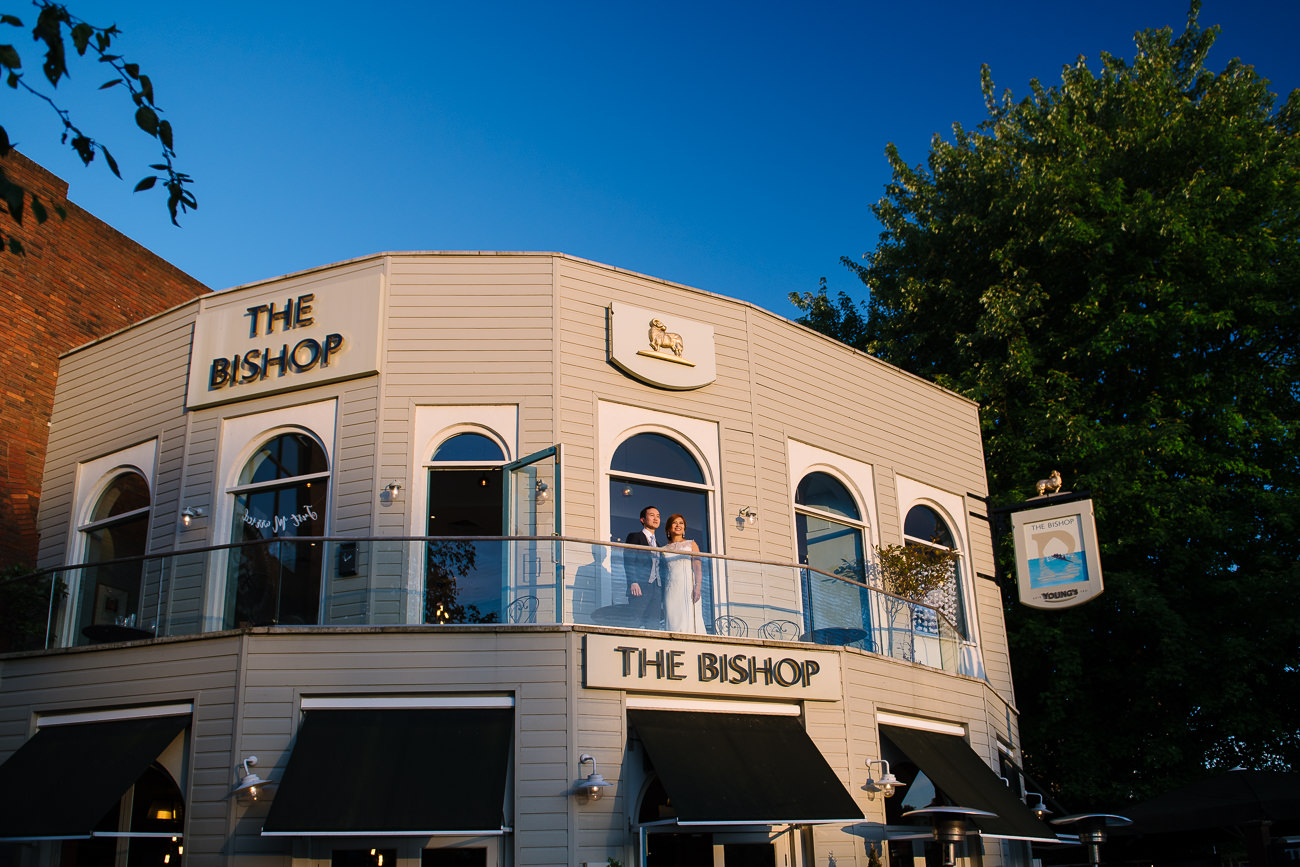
[[277, 580], [285, 457], [656, 455], [127, 492], [824, 492], [924, 523], [469, 447]]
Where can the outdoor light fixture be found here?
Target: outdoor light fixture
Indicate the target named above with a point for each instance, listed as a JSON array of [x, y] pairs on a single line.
[[593, 784], [1092, 828], [887, 782], [1039, 809], [252, 787], [747, 516], [951, 825], [392, 491], [190, 513], [543, 492]]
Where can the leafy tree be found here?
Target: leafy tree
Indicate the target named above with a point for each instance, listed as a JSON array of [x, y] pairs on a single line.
[[1109, 266], [55, 28]]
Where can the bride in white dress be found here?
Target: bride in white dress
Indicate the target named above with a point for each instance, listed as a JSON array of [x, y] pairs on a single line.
[[685, 579]]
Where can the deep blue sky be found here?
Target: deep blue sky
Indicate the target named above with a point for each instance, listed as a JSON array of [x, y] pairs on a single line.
[[731, 146]]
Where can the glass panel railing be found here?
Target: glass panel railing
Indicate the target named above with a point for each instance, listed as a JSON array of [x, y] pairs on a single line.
[[469, 580]]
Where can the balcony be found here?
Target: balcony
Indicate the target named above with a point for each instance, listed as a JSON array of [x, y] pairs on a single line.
[[420, 581]]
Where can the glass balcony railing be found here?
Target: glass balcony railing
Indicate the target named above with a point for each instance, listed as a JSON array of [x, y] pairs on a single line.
[[316, 581]]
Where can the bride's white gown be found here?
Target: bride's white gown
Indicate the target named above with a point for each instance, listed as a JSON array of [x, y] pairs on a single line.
[[681, 612]]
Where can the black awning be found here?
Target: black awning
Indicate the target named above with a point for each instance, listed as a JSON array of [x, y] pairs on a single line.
[[959, 773], [65, 779], [395, 772], [741, 768]]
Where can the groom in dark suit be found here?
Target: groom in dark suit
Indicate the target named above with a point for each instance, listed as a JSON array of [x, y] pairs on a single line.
[[645, 589]]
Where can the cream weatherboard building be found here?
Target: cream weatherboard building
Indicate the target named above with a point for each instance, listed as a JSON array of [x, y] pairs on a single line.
[[336, 573]]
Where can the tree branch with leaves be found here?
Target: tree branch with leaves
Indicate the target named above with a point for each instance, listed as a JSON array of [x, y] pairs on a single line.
[[56, 28]]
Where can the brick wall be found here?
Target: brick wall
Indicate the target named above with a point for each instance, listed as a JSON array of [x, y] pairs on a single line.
[[80, 280]]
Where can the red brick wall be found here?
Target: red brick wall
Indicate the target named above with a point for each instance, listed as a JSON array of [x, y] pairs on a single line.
[[81, 279]]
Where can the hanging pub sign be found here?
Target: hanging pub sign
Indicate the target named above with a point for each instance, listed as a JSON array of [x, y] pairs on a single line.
[[1057, 564]]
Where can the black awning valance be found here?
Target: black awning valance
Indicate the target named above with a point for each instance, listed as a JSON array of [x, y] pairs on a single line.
[[955, 769], [65, 779], [395, 772], [737, 768]]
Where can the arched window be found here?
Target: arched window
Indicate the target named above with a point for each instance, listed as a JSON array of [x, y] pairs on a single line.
[[281, 493], [829, 527], [463, 579], [473, 447], [925, 526], [118, 528], [830, 536], [652, 469]]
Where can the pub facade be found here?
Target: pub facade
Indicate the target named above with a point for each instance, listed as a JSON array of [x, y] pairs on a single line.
[[339, 568]]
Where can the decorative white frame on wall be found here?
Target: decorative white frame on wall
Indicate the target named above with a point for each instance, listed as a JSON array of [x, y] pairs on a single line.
[[239, 438], [618, 422], [93, 478], [433, 425], [952, 507], [857, 477]]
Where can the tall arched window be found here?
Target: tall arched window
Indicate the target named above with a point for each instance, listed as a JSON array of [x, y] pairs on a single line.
[[281, 493], [829, 527], [463, 579], [925, 526], [830, 536], [118, 528], [652, 469]]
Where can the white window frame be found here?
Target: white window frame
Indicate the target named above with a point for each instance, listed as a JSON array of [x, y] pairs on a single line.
[[616, 423], [952, 508], [240, 437]]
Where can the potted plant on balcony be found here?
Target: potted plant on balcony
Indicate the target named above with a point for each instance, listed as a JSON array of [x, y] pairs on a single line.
[[912, 573]]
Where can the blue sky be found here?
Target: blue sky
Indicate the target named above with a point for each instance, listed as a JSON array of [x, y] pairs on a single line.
[[736, 147]]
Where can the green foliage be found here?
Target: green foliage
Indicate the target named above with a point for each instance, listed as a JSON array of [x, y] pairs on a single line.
[[24, 608], [915, 571], [1110, 267], [55, 27]]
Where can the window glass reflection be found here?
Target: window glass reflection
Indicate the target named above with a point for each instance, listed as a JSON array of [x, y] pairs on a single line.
[[925, 525], [274, 580], [826, 493], [652, 454], [469, 447], [119, 528]]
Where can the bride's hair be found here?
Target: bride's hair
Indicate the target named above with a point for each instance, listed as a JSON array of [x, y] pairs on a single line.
[[669, 524]]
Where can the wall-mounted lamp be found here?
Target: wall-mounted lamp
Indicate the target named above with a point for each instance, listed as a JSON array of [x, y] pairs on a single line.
[[591, 786], [1039, 807], [543, 492], [252, 787], [746, 516], [887, 782], [190, 514], [627, 491], [390, 492]]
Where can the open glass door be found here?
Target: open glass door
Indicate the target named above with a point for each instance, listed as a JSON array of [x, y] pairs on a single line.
[[531, 507]]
